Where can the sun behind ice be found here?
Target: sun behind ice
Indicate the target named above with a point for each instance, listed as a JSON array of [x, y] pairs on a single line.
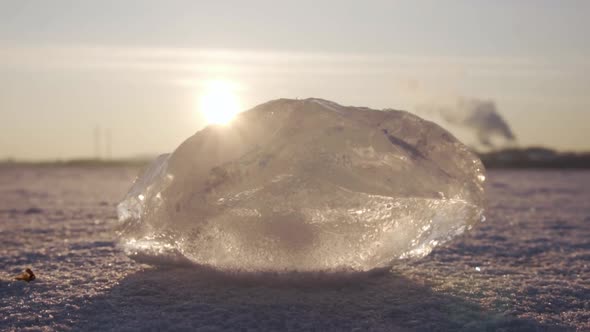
[[218, 102]]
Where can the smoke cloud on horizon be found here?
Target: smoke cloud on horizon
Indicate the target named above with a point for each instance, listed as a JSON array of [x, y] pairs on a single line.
[[480, 116]]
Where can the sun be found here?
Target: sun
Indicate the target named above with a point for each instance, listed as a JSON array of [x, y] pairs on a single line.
[[218, 102]]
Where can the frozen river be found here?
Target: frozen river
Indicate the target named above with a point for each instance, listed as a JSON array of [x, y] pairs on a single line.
[[527, 268]]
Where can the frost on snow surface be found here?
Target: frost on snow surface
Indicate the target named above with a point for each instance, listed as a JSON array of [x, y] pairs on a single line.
[[304, 185]]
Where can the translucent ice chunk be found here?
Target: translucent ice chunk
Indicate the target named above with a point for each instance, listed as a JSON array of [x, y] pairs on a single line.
[[305, 185]]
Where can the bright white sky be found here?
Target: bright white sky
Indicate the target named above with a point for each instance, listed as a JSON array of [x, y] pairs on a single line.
[[138, 68]]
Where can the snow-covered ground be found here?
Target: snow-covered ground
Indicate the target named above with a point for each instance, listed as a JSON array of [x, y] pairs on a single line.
[[526, 269]]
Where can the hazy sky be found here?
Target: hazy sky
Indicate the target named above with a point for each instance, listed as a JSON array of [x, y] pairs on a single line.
[[138, 67]]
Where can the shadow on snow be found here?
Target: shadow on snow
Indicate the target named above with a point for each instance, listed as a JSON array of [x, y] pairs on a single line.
[[184, 298]]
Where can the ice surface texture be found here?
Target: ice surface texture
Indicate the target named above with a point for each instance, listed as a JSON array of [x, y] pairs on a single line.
[[305, 185]]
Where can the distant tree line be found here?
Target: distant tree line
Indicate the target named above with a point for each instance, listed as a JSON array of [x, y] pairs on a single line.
[[506, 158], [535, 158]]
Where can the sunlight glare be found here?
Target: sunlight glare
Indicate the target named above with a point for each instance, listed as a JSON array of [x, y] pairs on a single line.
[[219, 102]]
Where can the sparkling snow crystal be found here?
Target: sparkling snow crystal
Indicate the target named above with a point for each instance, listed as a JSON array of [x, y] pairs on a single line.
[[305, 185]]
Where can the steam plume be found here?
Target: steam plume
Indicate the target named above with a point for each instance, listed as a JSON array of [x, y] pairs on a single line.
[[479, 115]]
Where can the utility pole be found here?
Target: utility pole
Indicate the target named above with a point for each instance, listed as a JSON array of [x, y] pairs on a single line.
[[108, 144], [97, 142]]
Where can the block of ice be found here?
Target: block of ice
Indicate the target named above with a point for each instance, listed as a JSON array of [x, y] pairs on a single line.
[[305, 185]]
